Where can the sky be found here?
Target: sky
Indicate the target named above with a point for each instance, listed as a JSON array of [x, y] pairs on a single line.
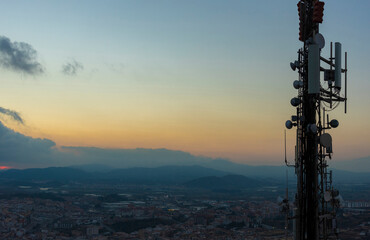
[[208, 77]]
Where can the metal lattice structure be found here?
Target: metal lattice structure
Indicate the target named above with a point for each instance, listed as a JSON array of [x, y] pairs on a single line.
[[319, 91]]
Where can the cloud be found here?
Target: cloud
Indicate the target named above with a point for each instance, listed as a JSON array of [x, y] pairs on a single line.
[[19, 57], [20, 151], [17, 149], [126, 158], [72, 68], [13, 114]]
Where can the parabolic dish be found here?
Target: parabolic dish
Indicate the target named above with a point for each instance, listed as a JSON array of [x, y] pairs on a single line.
[[325, 140], [320, 40]]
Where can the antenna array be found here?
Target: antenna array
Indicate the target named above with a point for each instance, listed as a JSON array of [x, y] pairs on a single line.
[[319, 91]]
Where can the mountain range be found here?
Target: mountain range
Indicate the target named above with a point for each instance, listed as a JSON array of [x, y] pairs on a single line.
[[230, 177], [160, 175]]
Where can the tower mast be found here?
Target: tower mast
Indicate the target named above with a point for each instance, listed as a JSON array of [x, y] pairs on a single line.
[[316, 201]]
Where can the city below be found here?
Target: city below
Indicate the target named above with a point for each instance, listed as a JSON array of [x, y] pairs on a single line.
[[33, 207]]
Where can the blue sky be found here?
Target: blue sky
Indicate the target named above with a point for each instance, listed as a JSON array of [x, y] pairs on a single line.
[[208, 77]]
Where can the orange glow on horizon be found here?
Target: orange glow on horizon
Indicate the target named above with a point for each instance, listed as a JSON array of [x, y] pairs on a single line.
[[4, 167]]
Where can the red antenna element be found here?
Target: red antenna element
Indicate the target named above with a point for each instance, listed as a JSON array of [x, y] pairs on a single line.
[[318, 12], [301, 20]]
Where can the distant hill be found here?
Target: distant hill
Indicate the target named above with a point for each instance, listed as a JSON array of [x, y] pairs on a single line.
[[172, 175], [93, 167], [230, 182], [165, 174], [160, 175], [182, 159], [272, 173], [341, 176], [276, 172], [360, 165], [45, 174]]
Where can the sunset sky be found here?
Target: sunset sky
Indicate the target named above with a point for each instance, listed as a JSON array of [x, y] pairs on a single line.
[[207, 77]]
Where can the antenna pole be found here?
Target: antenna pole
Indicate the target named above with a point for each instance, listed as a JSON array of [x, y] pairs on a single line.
[[286, 215], [345, 82]]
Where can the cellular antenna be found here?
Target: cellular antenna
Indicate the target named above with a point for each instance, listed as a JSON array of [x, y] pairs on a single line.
[[319, 89]]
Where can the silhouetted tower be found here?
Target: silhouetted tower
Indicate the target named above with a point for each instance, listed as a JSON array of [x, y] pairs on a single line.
[[316, 201]]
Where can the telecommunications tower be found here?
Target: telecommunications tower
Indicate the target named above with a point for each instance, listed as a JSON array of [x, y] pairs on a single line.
[[320, 91]]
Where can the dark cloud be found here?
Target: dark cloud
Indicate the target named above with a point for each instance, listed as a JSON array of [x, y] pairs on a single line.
[[72, 68], [19, 56], [13, 114], [16, 149], [125, 158]]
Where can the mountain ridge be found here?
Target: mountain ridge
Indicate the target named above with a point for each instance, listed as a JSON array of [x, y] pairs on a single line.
[[170, 174]]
